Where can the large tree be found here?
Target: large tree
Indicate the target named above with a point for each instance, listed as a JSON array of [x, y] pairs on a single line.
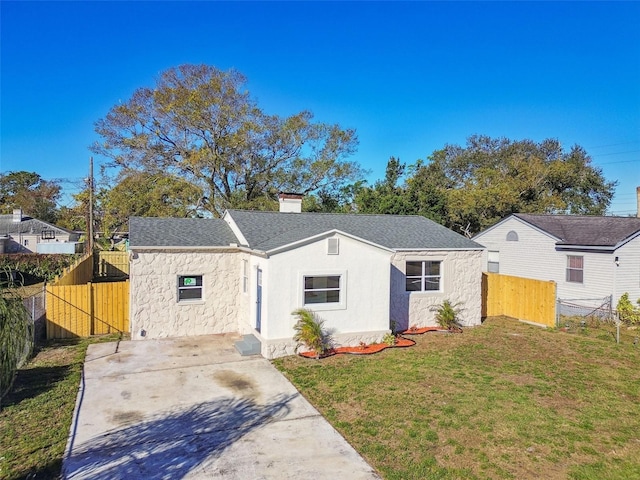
[[27, 190], [146, 195], [200, 123], [492, 178]]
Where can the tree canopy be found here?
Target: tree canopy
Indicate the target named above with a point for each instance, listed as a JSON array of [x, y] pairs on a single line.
[[199, 123], [470, 188], [27, 190]]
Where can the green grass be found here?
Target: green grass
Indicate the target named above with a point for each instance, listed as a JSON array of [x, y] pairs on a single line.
[[502, 401], [36, 414]]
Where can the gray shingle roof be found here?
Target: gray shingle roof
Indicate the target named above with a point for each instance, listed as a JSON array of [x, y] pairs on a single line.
[[27, 225], [270, 230], [585, 230], [179, 232]]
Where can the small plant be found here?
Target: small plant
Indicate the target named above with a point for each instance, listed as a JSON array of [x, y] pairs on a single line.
[[448, 315], [389, 339], [394, 327], [310, 332], [627, 312]]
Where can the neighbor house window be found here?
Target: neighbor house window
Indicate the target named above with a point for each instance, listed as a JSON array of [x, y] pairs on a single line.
[[48, 234], [493, 261], [575, 268], [189, 288], [423, 276], [512, 236], [322, 289]]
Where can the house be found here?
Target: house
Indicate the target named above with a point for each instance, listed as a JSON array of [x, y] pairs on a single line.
[[589, 257], [23, 234], [248, 272]]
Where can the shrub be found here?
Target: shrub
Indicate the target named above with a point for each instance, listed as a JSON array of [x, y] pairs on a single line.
[[389, 339], [310, 332], [16, 335], [627, 312]]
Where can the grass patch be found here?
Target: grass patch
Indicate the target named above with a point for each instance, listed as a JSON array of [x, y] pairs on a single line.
[[503, 401], [36, 414]]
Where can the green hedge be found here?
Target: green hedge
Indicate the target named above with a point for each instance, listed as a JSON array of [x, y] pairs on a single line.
[[44, 267]]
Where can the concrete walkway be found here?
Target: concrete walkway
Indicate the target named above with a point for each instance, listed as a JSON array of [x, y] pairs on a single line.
[[194, 408]]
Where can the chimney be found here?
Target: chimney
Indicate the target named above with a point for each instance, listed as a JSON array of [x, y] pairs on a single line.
[[638, 199], [290, 202], [17, 215]]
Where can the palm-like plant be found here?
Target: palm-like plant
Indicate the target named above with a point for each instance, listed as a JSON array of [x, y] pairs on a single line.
[[448, 315], [310, 332]]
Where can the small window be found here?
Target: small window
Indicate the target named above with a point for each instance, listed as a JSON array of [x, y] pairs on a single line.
[[189, 288], [322, 289], [512, 236], [575, 268], [493, 262], [26, 242], [333, 246], [245, 276], [423, 276], [48, 234]]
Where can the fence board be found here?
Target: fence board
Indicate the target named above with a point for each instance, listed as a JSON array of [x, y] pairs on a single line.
[[89, 309], [517, 297]]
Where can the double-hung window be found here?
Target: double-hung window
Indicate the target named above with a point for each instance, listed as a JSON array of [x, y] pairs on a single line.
[[424, 276], [575, 268], [322, 289], [189, 288]]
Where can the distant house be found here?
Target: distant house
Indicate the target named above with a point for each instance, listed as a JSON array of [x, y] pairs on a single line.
[[249, 271], [22, 234], [588, 257]]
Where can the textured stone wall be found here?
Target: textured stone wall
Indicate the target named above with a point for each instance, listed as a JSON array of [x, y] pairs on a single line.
[[461, 283], [154, 292]]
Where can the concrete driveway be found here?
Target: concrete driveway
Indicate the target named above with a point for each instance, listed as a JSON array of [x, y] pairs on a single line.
[[194, 408]]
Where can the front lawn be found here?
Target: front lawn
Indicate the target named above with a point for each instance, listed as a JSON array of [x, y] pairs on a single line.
[[36, 413], [505, 400]]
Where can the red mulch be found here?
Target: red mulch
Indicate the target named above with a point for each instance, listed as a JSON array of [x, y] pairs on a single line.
[[421, 330], [362, 350]]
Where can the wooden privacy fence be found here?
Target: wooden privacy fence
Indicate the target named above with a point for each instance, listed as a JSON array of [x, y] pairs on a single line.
[[517, 297], [89, 309], [111, 265], [78, 273]]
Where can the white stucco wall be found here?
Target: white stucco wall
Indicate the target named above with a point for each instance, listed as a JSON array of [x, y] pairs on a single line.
[[366, 281], [461, 283], [154, 305]]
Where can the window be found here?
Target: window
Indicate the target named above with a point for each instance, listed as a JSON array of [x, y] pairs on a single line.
[[189, 288], [423, 276], [245, 276], [493, 261], [322, 289], [575, 268], [26, 242], [512, 236], [48, 234]]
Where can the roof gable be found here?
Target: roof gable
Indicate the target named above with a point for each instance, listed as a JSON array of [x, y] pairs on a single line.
[[272, 230]]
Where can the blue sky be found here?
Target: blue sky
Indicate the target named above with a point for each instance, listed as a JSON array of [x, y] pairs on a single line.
[[410, 77]]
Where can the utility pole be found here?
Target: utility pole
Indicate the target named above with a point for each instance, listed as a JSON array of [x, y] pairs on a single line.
[[90, 205]]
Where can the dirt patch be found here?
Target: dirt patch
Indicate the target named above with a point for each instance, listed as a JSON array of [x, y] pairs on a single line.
[[237, 383], [126, 418]]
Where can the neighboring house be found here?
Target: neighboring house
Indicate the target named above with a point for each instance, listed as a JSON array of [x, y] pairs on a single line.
[[22, 234], [248, 272], [588, 257]]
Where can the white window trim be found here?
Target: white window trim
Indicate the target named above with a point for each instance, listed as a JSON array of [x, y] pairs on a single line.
[[424, 292], [341, 305], [245, 276], [194, 301]]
